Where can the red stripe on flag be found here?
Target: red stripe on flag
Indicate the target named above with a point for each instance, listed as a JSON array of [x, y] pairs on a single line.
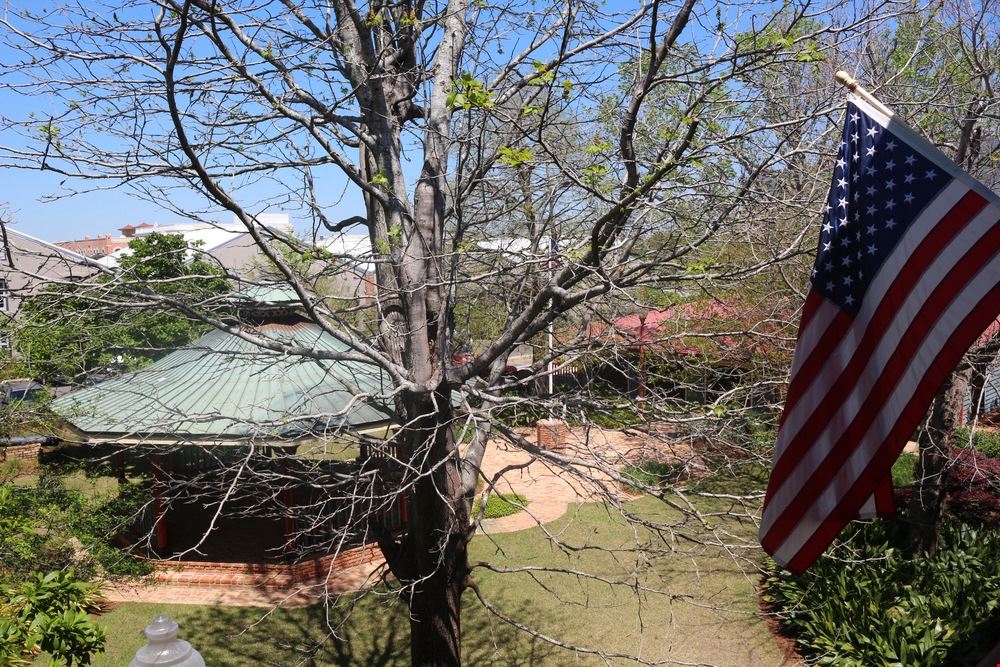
[[884, 504], [959, 276], [952, 223], [812, 304], [972, 326]]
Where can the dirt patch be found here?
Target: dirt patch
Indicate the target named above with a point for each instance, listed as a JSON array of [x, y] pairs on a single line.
[[790, 656]]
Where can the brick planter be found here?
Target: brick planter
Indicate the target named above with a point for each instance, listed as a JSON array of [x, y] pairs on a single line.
[[552, 434], [263, 575]]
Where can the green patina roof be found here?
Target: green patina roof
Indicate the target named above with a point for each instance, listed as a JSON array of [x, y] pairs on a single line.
[[267, 293], [222, 387]]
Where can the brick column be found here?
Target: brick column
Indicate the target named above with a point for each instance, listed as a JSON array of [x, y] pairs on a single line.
[[158, 505], [288, 499], [552, 434]]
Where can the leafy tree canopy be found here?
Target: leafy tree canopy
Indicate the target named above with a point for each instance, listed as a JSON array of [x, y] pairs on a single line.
[[70, 331]]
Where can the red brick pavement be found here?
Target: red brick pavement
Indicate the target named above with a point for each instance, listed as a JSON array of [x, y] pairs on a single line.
[[255, 584]]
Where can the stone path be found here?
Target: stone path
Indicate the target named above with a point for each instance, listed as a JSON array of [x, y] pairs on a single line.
[[550, 490]]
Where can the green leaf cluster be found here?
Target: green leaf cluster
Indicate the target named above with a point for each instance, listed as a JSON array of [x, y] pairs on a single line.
[[876, 608], [49, 612], [543, 75], [594, 174], [599, 147], [467, 92], [409, 19], [514, 157]]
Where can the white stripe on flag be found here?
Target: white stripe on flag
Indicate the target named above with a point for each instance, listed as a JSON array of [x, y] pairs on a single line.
[[868, 510]]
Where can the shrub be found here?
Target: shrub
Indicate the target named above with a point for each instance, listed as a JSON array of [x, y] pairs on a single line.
[[987, 442], [615, 416], [13, 468], [972, 485], [649, 473], [520, 412], [51, 528], [500, 505], [874, 607], [762, 432], [902, 469], [50, 613]]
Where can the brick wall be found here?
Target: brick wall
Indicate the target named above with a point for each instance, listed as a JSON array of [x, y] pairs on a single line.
[[28, 453]]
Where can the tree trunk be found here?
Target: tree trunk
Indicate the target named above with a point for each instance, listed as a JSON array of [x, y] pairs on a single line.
[[935, 442], [437, 538], [436, 610]]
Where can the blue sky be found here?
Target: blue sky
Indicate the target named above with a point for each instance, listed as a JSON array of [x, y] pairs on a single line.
[[103, 212]]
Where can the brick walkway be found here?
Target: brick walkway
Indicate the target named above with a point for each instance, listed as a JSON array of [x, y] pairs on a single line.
[[255, 585], [552, 491]]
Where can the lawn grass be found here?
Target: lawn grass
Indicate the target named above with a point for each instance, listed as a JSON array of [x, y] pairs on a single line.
[[329, 450], [88, 485], [902, 470], [500, 505], [709, 615]]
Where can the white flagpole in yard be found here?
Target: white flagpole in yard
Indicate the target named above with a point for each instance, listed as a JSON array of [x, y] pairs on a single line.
[[906, 278]]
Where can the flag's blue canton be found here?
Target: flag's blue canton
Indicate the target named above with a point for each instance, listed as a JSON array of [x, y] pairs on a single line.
[[880, 185]]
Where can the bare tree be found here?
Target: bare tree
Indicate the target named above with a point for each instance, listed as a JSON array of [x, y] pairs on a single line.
[[529, 173]]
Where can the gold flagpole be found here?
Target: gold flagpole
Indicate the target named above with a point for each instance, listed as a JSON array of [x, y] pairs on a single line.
[[852, 85]]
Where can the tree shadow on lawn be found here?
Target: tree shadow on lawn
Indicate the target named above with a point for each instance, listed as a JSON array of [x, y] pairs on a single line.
[[368, 630]]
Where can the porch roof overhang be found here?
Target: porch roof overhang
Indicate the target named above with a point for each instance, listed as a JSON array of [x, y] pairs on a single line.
[[223, 389]]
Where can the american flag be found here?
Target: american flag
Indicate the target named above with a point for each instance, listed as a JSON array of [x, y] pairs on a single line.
[[907, 276]]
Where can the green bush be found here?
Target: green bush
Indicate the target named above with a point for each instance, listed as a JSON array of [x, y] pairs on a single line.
[[520, 412], [613, 416], [50, 613], [500, 505], [13, 468], [985, 442], [51, 528], [762, 431], [871, 606]]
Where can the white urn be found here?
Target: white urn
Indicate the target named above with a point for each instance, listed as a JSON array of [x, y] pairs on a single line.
[[164, 648]]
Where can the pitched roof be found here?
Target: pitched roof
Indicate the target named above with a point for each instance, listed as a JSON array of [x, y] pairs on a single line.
[[717, 327], [65, 252], [222, 388]]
